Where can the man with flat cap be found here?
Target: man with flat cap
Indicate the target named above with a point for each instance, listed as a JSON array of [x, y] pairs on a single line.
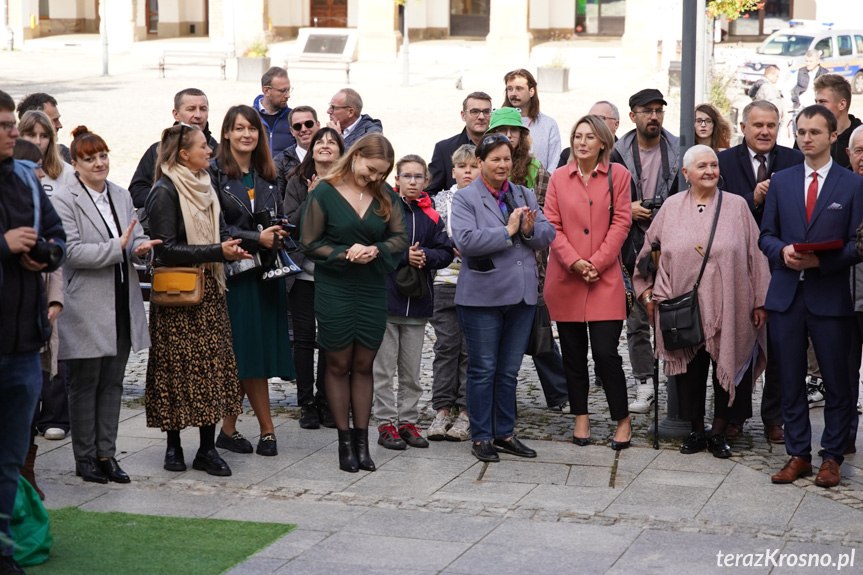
[[651, 154]]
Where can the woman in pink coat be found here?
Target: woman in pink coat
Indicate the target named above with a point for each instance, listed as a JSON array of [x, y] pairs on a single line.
[[584, 288]]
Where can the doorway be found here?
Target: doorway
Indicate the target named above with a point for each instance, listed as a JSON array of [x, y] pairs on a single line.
[[469, 18], [329, 14], [152, 16]]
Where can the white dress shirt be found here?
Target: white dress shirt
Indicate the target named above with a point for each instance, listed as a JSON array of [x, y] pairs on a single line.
[[822, 174], [104, 207]]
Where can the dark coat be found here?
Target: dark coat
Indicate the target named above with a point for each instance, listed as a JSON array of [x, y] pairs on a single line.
[[277, 127], [285, 162], [441, 166], [735, 169], [439, 253], [364, 125], [803, 82], [24, 326]]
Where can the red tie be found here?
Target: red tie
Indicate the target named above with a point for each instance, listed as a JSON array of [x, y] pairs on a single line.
[[811, 196]]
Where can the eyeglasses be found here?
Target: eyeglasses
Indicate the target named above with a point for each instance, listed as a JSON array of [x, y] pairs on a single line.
[[282, 91], [704, 121], [412, 177], [801, 133], [332, 108], [605, 118], [7, 126], [183, 127], [649, 112], [299, 125], [475, 112]]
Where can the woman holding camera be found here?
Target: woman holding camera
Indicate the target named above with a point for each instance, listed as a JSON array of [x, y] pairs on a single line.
[[731, 294], [103, 311], [243, 175], [191, 371]]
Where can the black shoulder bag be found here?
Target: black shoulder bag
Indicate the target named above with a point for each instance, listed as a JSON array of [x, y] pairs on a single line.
[[680, 317], [627, 281]]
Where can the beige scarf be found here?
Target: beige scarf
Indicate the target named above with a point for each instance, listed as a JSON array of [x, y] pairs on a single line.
[[200, 207]]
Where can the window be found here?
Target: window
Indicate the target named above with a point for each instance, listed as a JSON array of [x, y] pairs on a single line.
[[786, 45], [844, 45], [824, 48], [44, 12], [859, 41]]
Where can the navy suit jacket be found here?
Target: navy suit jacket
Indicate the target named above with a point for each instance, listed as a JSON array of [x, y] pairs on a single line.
[[735, 167], [838, 212], [440, 166]]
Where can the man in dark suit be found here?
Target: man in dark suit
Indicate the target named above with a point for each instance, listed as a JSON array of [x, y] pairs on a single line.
[[746, 170], [476, 113], [806, 80], [809, 293]]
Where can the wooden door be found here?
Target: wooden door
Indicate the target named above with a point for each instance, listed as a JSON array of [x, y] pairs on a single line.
[[329, 13]]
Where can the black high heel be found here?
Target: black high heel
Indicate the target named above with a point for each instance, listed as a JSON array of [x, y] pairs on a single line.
[[581, 441], [347, 453], [361, 447]]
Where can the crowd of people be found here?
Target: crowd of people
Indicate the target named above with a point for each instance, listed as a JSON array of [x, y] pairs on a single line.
[[498, 234]]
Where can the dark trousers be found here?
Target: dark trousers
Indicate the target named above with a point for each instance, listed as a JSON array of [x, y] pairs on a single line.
[[771, 396], [831, 337], [856, 356], [604, 336], [692, 392], [53, 407], [20, 381], [449, 368], [301, 300], [552, 376]]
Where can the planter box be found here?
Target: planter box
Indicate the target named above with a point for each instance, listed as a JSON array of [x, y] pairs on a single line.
[[553, 79], [251, 69]]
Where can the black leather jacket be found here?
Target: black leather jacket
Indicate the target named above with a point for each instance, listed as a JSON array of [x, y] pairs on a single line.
[[237, 209], [166, 224]]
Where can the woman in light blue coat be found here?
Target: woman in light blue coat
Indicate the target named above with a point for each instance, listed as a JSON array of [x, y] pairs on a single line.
[[496, 226]]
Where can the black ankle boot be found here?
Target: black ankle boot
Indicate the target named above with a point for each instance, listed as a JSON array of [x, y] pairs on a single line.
[[347, 454], [361, 445]]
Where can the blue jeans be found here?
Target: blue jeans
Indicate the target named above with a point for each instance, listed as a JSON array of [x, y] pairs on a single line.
[[496, 341], [20, 384]]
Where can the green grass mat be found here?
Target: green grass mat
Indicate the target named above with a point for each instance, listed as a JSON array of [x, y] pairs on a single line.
[[91, 543]]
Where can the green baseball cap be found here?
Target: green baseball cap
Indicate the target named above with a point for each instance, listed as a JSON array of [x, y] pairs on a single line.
[[505, 117]]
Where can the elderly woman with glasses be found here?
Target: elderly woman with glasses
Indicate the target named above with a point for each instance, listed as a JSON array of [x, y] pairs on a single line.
[[496, 226]]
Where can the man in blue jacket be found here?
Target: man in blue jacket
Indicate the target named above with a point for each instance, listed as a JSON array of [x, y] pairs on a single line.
[[26, 217], [347, 118], [273, 108]]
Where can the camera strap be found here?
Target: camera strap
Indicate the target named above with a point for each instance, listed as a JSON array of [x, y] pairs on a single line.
[[636, 158]]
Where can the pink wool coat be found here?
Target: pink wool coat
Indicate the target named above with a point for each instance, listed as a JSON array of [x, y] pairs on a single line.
[[579, 214]]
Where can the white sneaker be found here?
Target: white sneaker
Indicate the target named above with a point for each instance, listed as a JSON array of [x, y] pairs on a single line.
[[814, 391], [460, 430], [644, 399], [55, 433], [438, 427]]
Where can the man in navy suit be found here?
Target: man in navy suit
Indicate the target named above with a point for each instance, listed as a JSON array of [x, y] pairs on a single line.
[[476, 113], [809, 293], [746, 170]]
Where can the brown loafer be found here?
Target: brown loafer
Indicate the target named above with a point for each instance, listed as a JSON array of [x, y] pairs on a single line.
[[796, 467], [829, 474], [774, 433], [733, 430]]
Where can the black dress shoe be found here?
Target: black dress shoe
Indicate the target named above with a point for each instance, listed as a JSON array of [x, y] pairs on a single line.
[[211, 462], [89, 470], [618, 445], [174, 460], [360, 438], [694, 443], [514, 447], [325, 416], [582, 441], [112, 471], [309, 418], [485, 451], [347, 452], [718, 447], [267, 445], [236, 442]]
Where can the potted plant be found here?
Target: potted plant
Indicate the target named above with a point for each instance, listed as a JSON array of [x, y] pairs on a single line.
[[555, 76], [254, 61]]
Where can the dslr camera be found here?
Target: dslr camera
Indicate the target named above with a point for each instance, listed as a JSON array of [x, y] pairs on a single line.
[[652, 204], [45, 252]]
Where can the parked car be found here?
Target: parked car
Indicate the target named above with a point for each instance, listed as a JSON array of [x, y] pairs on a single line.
[[841, 53]]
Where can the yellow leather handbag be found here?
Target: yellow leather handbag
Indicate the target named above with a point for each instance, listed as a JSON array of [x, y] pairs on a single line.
[[174, 287]]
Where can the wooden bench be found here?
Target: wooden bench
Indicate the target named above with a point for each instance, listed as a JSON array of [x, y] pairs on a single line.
[[311, 62], [192, 58]]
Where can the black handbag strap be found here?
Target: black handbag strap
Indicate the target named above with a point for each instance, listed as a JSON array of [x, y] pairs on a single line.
[[712, 233]]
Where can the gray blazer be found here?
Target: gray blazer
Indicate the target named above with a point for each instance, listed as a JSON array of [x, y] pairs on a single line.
[[494, 273], [88, 325]]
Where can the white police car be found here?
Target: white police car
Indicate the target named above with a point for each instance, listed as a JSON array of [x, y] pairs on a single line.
[[841, 53]]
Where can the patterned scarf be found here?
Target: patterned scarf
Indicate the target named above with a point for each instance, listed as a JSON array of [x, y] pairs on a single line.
[[499, 195]]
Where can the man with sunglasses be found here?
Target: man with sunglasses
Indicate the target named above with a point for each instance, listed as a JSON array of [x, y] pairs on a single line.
[[476, 114], [273, 108], [652, 156], [304, 125], [347, 118]]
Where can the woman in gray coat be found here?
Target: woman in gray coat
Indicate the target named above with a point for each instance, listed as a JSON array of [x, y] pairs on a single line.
[[104, 312]]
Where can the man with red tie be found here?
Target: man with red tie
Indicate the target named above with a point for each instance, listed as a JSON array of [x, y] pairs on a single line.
[[809, 295]]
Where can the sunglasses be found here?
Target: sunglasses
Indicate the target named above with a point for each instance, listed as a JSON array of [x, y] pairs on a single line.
[[183, 128], [299, 125]]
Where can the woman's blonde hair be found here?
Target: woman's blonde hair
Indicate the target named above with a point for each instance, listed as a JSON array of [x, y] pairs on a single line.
[[52, 163], [600, 130], [373, 146]]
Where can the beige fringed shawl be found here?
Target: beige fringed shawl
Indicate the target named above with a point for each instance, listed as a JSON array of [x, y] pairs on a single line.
[[200, 207], [735, 280]]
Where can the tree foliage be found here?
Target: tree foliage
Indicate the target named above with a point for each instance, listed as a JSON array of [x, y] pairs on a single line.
[[732, 9]]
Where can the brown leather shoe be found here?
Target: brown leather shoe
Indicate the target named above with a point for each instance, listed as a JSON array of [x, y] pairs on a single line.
[[829, 474], [733, 430], [774, 433], [796, 467]]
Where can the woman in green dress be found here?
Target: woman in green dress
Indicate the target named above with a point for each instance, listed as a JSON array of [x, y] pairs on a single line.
[[354, 230], [243, 176]]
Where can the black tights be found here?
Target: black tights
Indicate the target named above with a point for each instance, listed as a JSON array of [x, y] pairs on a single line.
[[349, 385], [208, 438]]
